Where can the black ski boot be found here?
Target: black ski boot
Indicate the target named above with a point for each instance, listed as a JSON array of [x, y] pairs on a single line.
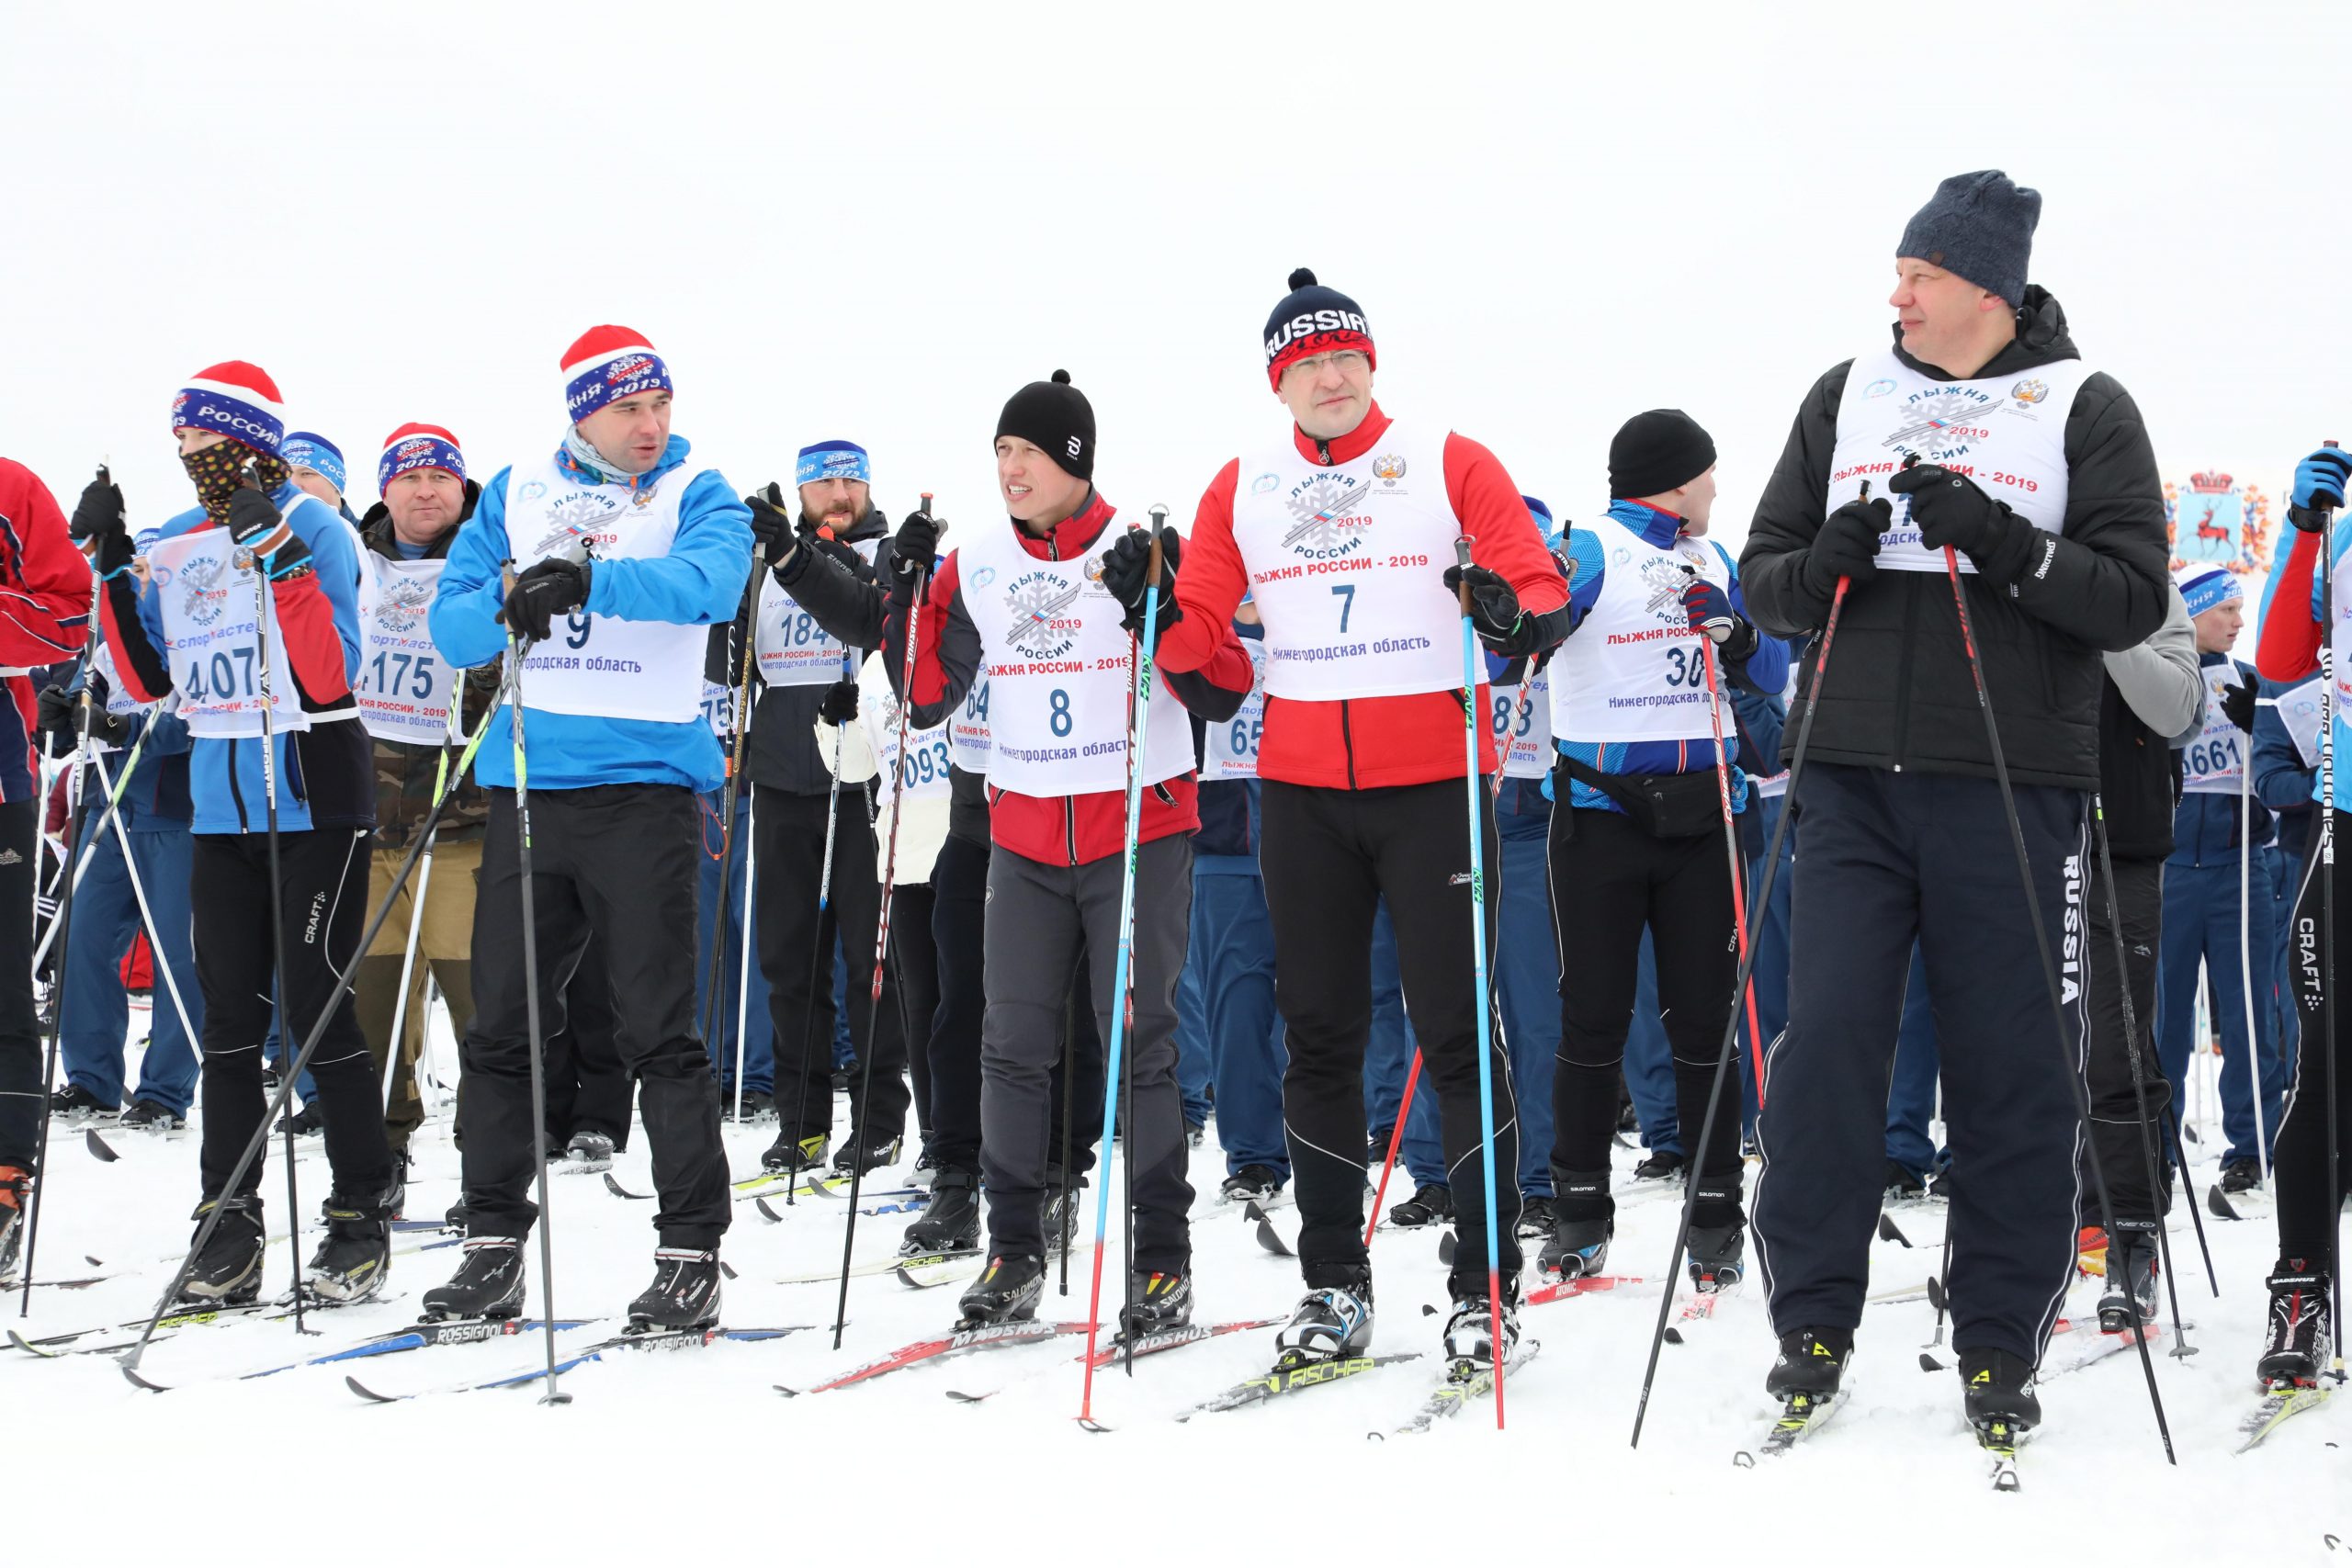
[[2301, 1332], [16, 1186], [2000, 1393], [1330, 1324], [788, 1153], [589, 1151], [1576, 1250], [1902, 1186], [307, 1122], [1718, 1257], [489, 1282], [357, 1252], [1062, 1210], [1664, 1165], [862, 1154], [228, 1271], [2130, 1298], [1812, 1362], [1007, 1292], [1429, 1205], [78, 1105], [1536, 1220], [685, 1293], [951, 1222], [1470, 1347], [150, 1117], [1162, 1303], [1250, 1184], [2241, 1176]]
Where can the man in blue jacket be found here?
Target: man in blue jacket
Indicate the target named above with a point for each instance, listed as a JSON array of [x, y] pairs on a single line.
[[625, 552]]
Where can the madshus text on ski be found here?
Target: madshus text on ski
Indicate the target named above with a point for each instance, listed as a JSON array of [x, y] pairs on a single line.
[[1112, 829]]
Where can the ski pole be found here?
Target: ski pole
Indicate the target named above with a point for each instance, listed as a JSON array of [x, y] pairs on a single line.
[[739, 708], [2180, 1159], [398, 1047], [301, 1059], [84, 711], [1478, 969], [743, 940], [1762, 902], [2070, 1061], [2157, 1192], [1731, 852], [1141, 646], [2328, 808], [2245, 965], [81, 861], [881, 932], [1062, 1223], [818, 945], [1396, 1140], [147, 914]]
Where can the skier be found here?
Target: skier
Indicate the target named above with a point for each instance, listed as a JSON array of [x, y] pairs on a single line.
[[317, 466], [404, 687], [1344, 534], [806, 677], [1641, 844], [2200, 891], [190, 629], [44, 618], [2152, 700], [612, 684], [1026, 601], [2309, 1171], [2037, 469]]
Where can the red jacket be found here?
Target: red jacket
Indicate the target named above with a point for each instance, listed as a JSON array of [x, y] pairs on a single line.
[[1060, 830], [44, 610], [2286, 646], [1364, 742]]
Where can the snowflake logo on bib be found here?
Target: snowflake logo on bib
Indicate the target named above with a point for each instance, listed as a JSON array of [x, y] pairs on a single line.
[[572, 517], [1940, 424], [1044, 623], [404, 603], [1665, 581], [206, 598], [1324, 528]]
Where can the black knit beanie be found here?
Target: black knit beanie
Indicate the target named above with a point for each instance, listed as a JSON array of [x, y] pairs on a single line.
[[1054, 417], [1657, 451]]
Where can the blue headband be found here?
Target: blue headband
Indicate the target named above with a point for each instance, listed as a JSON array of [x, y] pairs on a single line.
[[2209, 589], [833, 460]]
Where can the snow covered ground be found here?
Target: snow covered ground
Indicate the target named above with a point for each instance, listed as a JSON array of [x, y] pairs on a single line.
[[695, 1452]]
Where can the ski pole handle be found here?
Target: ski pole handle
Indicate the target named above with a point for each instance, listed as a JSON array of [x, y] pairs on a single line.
[[1462, 558], [1159, 523]]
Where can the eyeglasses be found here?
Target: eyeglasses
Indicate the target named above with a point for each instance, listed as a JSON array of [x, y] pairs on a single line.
[[1346, 361]]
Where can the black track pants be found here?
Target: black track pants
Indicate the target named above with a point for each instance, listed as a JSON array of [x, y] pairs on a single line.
[[2307, 1211], [2117, 1130]]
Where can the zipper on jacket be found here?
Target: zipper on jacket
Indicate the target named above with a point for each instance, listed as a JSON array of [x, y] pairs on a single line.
[[237, 795], [1347, 742], [1903, 678], [1070, 826]]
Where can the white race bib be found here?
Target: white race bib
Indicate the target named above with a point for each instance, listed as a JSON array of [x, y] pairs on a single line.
[[2298, 711], [603, 666], [927, 749], [794, 649], [967, 732], [718, 708], [212, 640], [1057, 662], [1232, 749], [1347, 564], [1633, 670], [2006, 432], [405, 683], [1523, 731], [2214, 763]]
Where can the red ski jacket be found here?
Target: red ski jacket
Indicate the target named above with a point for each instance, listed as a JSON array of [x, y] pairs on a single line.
[[44, 611]]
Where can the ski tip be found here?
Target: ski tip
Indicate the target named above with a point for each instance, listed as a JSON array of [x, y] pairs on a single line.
[[726, 1269], [131, 1375], [1742, 1459], [1088, 1423], [99, 1146], [369, 1394], [618, 1190], [787, 1392], [1928, 1363], [960, 1397], [1673, 1334], [2216, 1204], [19, 1342], [1889, 1231], [767, 1213], [1445, 1244]]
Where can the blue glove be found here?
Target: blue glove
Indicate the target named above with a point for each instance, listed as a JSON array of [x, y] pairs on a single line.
[[2319, 484], [1709, 611]]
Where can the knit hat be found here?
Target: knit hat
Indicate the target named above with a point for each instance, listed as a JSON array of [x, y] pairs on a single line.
[[1543, 516], [1054, 417], [418, 447], [1313, 319], [1657, 451], [1980, 226], [307, 449], [607, 364], [236, 399], [2207, 586], [833, 460]]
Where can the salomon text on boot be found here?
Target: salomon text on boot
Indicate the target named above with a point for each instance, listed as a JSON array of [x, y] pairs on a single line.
[[1007, 1292], [1161, 1302]]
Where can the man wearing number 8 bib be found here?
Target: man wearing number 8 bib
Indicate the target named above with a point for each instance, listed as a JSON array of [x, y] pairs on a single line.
[[2201, 920]]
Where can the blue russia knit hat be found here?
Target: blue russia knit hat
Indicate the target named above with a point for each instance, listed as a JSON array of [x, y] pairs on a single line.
[[236, 399], [833, 460], [2207, 586], [607, 364], [1980, 226], [418, 447], [308, 449]]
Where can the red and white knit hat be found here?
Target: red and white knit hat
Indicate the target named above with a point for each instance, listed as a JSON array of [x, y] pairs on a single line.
[[236, 399], [607, 364], [418, 447]]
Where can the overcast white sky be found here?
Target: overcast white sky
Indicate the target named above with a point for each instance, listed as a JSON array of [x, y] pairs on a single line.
[[876, 221]]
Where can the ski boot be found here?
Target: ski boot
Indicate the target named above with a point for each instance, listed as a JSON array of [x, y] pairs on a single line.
[[1062, 1206], [489, 1282], [1576, 1249], [589, 1151], [2130, 1298], [308, 1122], [228, 1271], [788, 1153], [150, 1117], [1250, 1184], [2240, 1175], [1330, 1324], [1902, 1186], [1470, 1347], [1811, 1363], [859, 1155], [951, 1222], [2001, 1403], [1007, 1292], [1718, 1257], [353, 1260], [685, 1293], [757, 1107], [1161, 1302], [1377, 1143], [1429, 1205], [1663, 1166], [78, 1105], [15, 1186], [925, 1172], [1536, 1220], [2301, 1332]]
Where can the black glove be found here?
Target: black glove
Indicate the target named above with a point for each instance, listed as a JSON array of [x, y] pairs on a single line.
[[98, 527], [60, 714], [2237, 702], [771, 524], [258, 527], [820, 543], [1847, 545], [840, 706], [915, 546], [1494, 605], [1127, 572], [554, 587], [1952, 512]]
